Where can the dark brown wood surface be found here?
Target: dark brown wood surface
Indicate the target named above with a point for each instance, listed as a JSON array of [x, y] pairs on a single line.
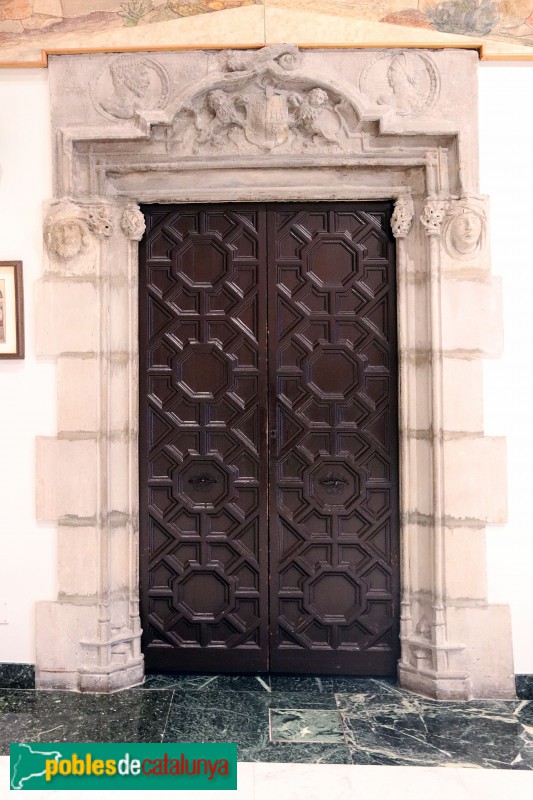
[[203, 450], [333, 469], [322, 435]]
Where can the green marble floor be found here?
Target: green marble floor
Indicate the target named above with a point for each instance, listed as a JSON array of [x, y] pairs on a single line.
[[276, 718]]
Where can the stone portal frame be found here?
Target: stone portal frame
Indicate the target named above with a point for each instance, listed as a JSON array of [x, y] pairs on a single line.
[[327, 125]]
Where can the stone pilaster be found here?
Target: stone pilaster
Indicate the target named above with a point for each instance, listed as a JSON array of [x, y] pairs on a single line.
[[451, 636], [86, 308]]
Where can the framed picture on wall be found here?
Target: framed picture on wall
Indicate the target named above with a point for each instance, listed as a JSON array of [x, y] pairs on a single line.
[[11, 310]]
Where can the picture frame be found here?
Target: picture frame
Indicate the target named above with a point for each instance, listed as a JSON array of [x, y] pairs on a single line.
[[11, 310]]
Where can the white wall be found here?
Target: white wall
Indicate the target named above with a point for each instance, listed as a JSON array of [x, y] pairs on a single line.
[[28, 389], [506, 135]]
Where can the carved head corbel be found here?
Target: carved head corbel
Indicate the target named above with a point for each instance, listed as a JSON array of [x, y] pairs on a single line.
[[465, 227], [66, 233]]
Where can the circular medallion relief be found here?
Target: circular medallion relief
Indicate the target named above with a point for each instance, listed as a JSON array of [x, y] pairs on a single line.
[[406, 81], [128, 84]]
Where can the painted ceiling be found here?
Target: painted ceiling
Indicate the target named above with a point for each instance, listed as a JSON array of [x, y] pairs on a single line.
[[31, 29]]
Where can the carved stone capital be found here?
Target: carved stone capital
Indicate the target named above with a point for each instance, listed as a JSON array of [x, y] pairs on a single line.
[[66, 231], [402, 216], [100, 220], [433, 215], [132, 223], [465, 228]]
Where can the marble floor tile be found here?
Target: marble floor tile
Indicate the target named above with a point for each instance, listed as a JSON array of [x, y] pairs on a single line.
[[299, 753], [524, 686], [297, 683], [381, 724], [206, 683], [69, 717], [305, 725], [393, 727], [222, 716], [17, 676], [327, 684]]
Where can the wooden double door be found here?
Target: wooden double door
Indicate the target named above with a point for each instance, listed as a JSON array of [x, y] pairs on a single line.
[[268, 438]]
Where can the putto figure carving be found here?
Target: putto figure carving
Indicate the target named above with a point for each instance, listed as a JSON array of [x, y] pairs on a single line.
[[314, 115], [465, 228], [129, 84], [132, 223], [405, 81], [66, 236]]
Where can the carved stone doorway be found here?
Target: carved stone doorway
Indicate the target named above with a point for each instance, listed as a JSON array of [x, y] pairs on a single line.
[[268, 438], [284, 125]]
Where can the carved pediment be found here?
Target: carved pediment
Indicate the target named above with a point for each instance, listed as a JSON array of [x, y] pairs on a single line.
[[267, 114], [261, 103]]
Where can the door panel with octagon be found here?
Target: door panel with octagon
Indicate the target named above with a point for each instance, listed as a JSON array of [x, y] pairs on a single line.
[[268, 438]]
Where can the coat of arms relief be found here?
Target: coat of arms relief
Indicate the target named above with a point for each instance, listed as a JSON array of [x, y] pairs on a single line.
[[261, 104], [267, 117]]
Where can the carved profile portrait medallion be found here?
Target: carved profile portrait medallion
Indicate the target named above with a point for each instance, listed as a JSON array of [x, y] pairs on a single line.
[[406, 81], [128, 84]]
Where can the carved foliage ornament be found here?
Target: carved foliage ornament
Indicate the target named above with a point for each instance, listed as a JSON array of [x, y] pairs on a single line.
[[100, 221], [132, 223], [267, 114], [433, 215], [402, 216], [465, 228]]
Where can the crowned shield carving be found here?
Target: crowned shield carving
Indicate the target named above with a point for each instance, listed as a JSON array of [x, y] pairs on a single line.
[[267, 120]]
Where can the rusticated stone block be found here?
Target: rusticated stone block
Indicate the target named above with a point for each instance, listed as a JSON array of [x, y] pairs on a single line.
[[68, 317], [66, 478], [475, 487]]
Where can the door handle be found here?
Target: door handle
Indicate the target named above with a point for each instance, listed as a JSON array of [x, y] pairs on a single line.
[[203, 482]]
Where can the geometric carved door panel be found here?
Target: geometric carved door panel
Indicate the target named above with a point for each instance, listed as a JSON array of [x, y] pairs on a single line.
[[333, 471], [268, 445], [204, 560]]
